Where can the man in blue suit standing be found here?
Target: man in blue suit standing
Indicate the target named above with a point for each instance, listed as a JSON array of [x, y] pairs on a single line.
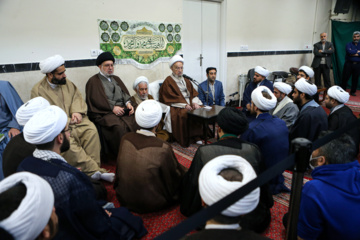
[[211, 91]]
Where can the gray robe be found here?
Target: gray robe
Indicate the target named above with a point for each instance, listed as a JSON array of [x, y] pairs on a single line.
[[287, 113]]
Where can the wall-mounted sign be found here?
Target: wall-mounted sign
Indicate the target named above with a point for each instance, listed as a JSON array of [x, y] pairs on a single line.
[[143, 44]]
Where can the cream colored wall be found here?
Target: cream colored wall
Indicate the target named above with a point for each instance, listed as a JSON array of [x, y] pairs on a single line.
[[24, 81]]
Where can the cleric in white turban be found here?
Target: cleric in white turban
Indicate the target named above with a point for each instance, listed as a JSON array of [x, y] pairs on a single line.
[[28, 109], [306, 87], [50, 64], [174, 59], [213, 186], [283, 87], [28, 202], [262, 71], [148, 114], [262, 102], [45, 125], [308, 71], [140, 79], [338, 94]]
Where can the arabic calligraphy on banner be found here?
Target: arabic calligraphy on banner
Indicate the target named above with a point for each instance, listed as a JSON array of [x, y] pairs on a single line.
[[143, 44]]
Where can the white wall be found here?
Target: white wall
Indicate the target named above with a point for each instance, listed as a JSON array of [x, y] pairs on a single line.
[[34, 30]]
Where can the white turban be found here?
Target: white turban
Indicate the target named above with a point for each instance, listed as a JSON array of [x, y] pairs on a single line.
[[28, 109], [51, 63], [174, 59], [307, 70], [262, 71], [214, 187], [34, 211], [260, 101], [338, 94], [140, 80], [283, 87], [304, 86], [45, 125], [148, 114]]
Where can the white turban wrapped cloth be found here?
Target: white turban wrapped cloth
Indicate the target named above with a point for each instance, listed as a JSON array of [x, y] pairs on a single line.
[[148, 114], [338, 94], [174, 59], [45, 125], [140, 80], [260, 101], [28, 109], [283, 87], [307, 70], [304, 86], [34, 211], [213, 187], [50, 64], [262, 71]]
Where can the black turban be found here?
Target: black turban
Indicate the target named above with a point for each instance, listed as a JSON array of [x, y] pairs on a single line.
[[105, 56], [232, 120]]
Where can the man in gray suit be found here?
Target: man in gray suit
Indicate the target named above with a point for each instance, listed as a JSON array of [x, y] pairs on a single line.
[[322, 60]]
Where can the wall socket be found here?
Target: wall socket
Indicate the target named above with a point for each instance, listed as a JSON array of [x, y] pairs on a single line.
[[94, 52], [307, 47], [244, 47]]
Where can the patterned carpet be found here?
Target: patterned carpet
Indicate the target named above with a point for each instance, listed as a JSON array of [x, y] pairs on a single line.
[[159, 222]]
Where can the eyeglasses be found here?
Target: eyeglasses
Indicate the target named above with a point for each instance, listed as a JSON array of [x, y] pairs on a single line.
[[179, 68]]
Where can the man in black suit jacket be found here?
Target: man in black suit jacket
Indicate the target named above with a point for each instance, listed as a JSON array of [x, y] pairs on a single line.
[[322, 60]]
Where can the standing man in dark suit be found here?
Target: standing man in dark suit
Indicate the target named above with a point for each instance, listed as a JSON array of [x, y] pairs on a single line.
[[322, 60]]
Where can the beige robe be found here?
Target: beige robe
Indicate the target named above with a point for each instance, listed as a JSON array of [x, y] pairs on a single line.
[[84, 152]]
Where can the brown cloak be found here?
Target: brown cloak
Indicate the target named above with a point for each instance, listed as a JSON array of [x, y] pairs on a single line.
[[170, 93], [99, 111]]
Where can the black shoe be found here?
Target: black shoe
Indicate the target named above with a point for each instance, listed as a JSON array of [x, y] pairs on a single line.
[[353, 94]]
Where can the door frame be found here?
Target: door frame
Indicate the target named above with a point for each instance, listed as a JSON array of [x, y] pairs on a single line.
[[222, 48]]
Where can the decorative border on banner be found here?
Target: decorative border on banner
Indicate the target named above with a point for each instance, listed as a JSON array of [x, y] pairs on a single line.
[[140, 43]]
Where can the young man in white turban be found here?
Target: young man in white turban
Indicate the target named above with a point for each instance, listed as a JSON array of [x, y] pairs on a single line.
[[148, 175], [285, 108], [27, 208], [10, 101], [340, 114], [178, 93], [12, 155], [219, 178], [305, 72], [259, 80], [312, 118], [80, 214], [141, 88], [232, 123], [84, 152], [269, 133], [109, 104]]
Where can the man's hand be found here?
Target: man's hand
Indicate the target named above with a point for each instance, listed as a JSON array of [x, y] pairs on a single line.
[[129, 106], [108, 213], [320, 51], [13, 132], [76, 118], [188, 107], [196, 106], [248, 106], [118, 111]]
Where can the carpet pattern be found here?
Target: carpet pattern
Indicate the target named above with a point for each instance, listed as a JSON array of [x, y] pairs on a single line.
[[159, 222]]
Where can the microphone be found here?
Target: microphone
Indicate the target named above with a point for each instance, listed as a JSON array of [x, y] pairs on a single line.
[[186, 76]]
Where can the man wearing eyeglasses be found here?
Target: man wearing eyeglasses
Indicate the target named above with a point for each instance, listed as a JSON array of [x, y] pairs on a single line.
[[109, 104], [312, 118], [84, 152], [180, 95]]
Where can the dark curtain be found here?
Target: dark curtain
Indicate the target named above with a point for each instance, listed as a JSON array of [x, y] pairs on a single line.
[[341, 34]]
